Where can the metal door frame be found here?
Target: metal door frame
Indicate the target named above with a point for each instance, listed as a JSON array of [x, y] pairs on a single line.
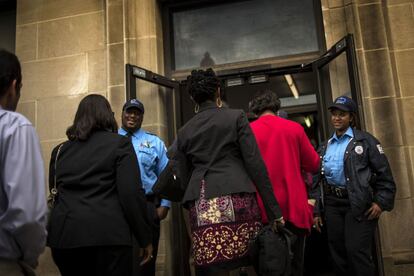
[[347, 45], [324, 98], [178, 230]]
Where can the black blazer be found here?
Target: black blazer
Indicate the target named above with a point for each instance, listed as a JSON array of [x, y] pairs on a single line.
[[100, 198], [221, 149]]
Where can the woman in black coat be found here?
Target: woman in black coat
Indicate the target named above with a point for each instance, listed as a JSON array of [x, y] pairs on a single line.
[[100, 203], [224, 170]]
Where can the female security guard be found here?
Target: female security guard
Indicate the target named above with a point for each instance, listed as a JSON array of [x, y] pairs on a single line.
[[357, 186]]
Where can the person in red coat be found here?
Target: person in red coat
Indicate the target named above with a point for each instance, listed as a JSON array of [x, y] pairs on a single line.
[[288, 154]]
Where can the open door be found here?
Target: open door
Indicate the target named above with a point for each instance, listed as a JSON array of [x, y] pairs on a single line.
[[148, 85], [168, 90], [336, 73], [333, 74]]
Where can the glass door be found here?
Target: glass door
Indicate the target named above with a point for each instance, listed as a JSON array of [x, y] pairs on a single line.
[[336, 74], [159, 90], [164, 94]]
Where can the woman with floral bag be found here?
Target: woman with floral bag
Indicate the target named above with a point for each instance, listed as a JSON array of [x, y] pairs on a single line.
[[224, 170]]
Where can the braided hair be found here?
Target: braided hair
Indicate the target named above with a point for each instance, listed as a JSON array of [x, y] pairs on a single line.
[[202, 85]]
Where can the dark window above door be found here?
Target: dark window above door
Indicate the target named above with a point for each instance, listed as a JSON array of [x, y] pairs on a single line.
[[8, 25], [242, 31]]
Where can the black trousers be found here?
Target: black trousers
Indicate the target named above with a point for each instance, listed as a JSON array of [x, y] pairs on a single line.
[[298, 249], [149, 268], [94, 261], [349, 239]]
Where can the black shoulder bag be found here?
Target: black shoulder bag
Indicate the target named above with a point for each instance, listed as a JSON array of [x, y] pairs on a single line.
[[173, 180], [271, 252]]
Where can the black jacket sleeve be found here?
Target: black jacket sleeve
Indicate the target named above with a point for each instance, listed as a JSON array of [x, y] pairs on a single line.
[[256, 167], [315, 192], [131, 193], [382, 182], [173, 180]]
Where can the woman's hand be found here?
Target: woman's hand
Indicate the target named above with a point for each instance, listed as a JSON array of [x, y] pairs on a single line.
[[162, 212], [278, 224], [317, 223], [147, 254], [374, 212]]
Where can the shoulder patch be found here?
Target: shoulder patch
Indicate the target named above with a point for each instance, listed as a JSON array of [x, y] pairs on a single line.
[[146, 144], [380, 149], [149, 133]]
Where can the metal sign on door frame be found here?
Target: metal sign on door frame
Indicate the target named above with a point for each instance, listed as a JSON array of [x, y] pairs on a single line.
[[134, 72]]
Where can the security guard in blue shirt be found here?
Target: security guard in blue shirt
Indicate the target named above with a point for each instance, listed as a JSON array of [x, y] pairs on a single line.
[[357, 186], [152, 158]]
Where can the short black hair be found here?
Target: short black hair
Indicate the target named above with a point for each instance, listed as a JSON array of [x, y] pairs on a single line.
[[202, 85], [264, 100], [94, 113], [9, 70]]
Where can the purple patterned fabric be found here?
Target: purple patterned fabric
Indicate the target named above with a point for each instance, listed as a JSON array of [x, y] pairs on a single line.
[[223, 227]]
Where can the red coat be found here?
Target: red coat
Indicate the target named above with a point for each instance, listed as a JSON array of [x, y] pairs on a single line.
[[287, 152]]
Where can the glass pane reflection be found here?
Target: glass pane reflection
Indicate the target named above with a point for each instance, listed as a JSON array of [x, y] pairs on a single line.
[[242, 31]]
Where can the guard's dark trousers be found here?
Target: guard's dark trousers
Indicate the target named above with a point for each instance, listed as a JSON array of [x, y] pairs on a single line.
[[349, 239], [149, 268]]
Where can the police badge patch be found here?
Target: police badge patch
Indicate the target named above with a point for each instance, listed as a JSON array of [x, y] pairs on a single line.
[[379, 147], [359, 150], [146, 144]]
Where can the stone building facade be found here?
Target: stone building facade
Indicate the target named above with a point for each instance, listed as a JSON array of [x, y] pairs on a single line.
[[384, 34], [69, 49]]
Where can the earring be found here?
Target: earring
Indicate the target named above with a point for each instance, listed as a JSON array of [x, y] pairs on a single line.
[[219, 102], [196, 108]]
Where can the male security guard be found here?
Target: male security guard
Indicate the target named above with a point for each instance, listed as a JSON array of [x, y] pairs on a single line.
[[152, 159]]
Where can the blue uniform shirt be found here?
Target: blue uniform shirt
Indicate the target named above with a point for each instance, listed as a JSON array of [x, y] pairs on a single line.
[[152, 158], [333, 161]]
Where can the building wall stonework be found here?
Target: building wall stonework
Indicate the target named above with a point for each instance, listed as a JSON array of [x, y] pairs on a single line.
[[135, 37], [69, 49], [384, 39], [62, 47]]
